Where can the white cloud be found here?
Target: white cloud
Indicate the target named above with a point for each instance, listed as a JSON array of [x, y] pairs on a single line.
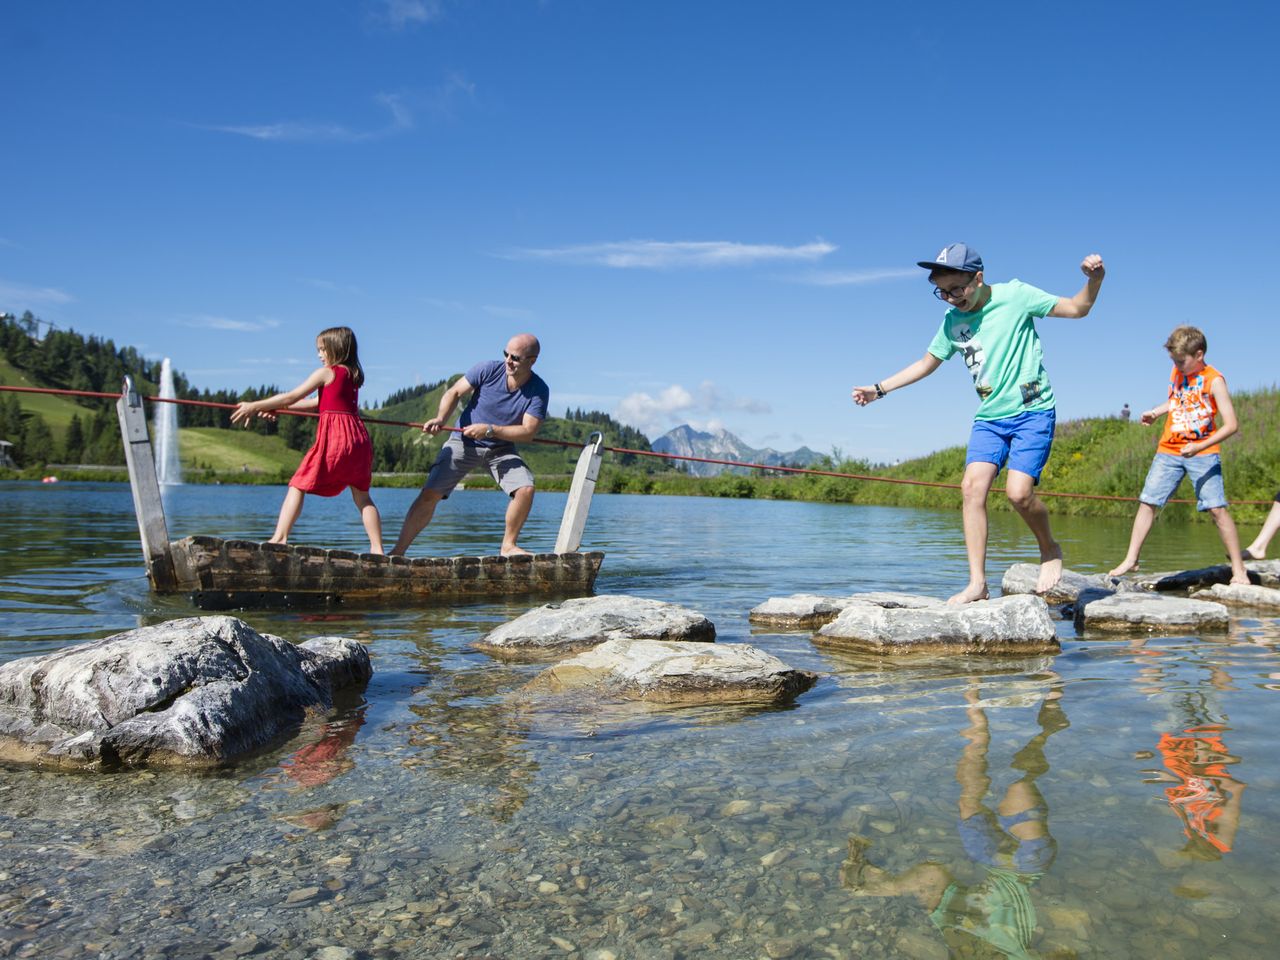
[[18, 294], [401, 14], [205, 321], [307, 131], [661, 255], [675, 404], [508, 313], [853, 278]]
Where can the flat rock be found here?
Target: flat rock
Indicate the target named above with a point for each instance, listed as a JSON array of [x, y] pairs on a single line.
[[1008, 625], [557, 629], [802, 610], [675, 672], [191, 692], [1153, 613], [1236, 594], [1021, 579]]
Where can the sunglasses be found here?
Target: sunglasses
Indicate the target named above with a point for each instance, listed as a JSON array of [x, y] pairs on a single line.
[[516, 358]]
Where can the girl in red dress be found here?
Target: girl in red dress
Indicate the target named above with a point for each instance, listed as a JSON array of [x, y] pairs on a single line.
[[342, 455]]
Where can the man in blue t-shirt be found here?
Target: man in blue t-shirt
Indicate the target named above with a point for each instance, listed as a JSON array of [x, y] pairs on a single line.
[[508, 404]]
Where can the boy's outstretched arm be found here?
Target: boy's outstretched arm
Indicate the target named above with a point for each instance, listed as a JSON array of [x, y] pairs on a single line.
[[1229, 422], [1155, 413], [1073, 308], [904, 377]]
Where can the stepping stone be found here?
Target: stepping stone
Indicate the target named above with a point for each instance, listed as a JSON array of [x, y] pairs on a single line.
[[801, 610], [675, 672], [1021, 578], [559, 629], [1264, 572], [1260, 598], [1152, 613], [192, 692], [1008, 625]]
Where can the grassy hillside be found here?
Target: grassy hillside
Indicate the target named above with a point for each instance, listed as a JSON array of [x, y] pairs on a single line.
[[229, 451], [57, 411]]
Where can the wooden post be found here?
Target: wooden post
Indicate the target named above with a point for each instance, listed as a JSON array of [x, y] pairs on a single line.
[[584, 484], [146, 489]]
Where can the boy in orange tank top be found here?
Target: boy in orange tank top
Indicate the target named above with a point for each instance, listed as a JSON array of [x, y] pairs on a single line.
[[1189, 447]]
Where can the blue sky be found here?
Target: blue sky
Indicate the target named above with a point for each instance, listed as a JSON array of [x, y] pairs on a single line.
[[709, 211]]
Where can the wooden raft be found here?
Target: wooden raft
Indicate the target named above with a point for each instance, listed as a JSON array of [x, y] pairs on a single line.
[[225, 574]]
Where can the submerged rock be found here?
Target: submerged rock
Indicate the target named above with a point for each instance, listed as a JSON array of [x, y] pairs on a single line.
[[1009, 625], [1153, 613], [1236, 594], [556, 629], [1021, 578], [675, 672], [191, 692], [802, 610]]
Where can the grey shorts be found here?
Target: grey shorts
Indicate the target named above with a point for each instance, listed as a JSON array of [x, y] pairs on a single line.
[[458, 457]]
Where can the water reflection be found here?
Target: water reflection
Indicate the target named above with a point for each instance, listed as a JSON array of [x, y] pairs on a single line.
[[1010, 846]]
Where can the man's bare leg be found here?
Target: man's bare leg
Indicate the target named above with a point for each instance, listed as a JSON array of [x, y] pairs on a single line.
[[419, 515], [978, 478], [1021, 490], [517, 513], [1142, 523]]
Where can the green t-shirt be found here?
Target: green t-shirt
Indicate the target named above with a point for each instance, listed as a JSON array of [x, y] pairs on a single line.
[[1001, 348]]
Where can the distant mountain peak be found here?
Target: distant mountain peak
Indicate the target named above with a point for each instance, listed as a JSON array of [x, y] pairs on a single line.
[[686, 441]]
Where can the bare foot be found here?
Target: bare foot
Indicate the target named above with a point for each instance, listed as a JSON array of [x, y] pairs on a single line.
[[1128, 566], [514, 552], [1248, 553], [970, 594], [1050, 569], [1238, 581]]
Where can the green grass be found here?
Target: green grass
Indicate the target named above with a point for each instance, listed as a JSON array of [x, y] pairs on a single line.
[[56, 411], [231, 451]]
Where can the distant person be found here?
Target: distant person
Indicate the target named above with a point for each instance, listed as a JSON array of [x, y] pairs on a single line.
[[1125, 413], [508, 404], [342, 455], [1188, 447], [993, 328]]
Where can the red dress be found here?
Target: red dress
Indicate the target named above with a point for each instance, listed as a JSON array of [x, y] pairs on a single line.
[[342, 455]]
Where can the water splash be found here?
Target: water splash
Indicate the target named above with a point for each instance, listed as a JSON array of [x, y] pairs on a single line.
[[168, 466]]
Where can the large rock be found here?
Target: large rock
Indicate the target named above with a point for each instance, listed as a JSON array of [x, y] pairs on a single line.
[[1237, 594], [675, 672], [804, 610], [1021, 578], [1009, 625], [1147, 612], [558, 629], [191, 692], [1265, 572]]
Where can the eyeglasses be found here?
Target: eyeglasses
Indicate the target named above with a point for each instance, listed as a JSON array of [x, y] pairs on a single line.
[[516, 358], [955, 293]]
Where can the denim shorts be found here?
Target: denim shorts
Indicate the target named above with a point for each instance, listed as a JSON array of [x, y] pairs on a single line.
[[1023, 441], [1168, 470]]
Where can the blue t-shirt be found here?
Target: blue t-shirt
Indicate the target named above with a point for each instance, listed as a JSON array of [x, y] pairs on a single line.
[[492, 402]]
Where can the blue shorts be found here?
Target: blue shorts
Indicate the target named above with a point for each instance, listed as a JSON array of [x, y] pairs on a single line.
[[1168, 470], [986, 839], [1022, 443]]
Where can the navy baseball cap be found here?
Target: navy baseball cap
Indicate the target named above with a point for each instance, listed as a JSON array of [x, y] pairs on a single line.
[[956, 256]]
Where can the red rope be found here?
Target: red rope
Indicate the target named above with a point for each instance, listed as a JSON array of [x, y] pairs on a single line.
[[624, 450]]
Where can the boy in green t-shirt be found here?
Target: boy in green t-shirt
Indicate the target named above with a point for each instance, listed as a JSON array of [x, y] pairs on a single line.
[[993, 328]]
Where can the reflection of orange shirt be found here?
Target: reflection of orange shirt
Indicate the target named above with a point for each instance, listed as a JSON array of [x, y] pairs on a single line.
[[1196, 760], [1192, 410]]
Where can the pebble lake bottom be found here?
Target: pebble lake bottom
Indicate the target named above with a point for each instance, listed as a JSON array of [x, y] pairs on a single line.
[[1117, 800]]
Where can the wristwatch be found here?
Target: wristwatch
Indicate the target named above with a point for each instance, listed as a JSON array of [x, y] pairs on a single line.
[[489, 432]]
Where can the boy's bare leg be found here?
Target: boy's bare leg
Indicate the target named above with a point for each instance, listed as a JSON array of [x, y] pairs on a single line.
[[978, 478], [420, 513], [1021, 490], [1142, 522], [1258, 549], [517, 513], [1231, 540], [370, 518], [289, 511]]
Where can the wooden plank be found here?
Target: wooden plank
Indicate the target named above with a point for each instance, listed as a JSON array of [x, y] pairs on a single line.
[[580, 491], [147, 504]]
